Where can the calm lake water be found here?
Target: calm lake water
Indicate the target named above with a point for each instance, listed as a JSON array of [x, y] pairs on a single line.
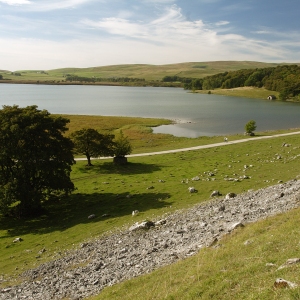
[[198, 114]]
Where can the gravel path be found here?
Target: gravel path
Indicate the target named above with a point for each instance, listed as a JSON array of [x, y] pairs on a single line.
[[133, 252], [252, 139]]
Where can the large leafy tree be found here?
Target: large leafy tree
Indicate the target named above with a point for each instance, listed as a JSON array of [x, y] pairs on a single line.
[[35, 158], [91, 143]]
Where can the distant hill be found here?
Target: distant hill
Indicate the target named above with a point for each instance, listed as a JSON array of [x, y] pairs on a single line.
[[142, 71]]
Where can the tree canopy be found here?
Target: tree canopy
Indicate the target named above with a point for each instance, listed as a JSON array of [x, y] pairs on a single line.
[[250, 127], [35, 158], [284, 79], [121, 148], [122, 145], [91, 143]]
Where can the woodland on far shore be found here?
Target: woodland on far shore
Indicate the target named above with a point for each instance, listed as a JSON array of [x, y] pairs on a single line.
[[282, 79]]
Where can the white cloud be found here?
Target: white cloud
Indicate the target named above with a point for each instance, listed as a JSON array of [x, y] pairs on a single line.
[[117, 26], [222, 23], [15, 2], [47, 5], [168, 38]]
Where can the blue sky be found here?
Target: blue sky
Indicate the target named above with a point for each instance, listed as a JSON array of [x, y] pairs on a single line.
[[49, 34]]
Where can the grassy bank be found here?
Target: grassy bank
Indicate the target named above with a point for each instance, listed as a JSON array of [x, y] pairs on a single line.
[[249, 92]]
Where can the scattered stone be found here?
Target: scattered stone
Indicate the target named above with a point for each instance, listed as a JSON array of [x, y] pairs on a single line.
[[42, 251], [150, 187], [222, 207], [192, 189], [18, 239], [92, 216], [230, 196], [105, 215], [135, 212], [290, 262], [148, 245], [143, 225], [160, 222], [270, 265], [281, 283], [248, 242], [197, 178], [235, 226], [215, 194]]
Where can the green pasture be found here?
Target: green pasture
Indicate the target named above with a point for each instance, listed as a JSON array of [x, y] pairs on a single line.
[[115, 191]]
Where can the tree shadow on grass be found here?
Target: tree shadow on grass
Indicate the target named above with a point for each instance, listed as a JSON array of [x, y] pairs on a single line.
[[127, 169], [76, 208]]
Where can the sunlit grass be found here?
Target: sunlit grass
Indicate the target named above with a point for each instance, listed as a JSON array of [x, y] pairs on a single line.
[[148, 72], [117, 190]]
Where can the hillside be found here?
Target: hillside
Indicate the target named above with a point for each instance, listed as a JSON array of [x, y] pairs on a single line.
[[142, 71]]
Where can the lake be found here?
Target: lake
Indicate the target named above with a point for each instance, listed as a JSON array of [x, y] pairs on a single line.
[[196, 114]]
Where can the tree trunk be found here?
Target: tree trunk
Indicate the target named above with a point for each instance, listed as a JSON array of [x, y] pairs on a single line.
[[89, 164]]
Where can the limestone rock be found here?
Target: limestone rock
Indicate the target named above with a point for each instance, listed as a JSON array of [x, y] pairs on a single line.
[[290, 262], [143, 225], [192, 189], [135, 212], [215, 194], [18, 239], [127, 253], [281, 283], [230, 196]]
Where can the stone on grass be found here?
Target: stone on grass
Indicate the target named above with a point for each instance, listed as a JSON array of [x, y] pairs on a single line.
[[135, 212], [192, 189], [235, 225], [18, 239], [290, 262], [281, 283], [215, 194], [92, 216], [230, 196]]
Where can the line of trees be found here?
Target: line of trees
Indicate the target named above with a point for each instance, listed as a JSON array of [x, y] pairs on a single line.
[[76, 78], [36, 157]]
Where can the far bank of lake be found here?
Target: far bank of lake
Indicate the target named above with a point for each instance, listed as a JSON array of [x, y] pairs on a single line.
[[195, 114]]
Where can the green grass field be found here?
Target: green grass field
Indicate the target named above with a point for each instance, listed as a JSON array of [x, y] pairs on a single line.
[[104, 189]]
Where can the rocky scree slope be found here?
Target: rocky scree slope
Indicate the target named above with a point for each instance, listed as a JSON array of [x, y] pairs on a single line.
[[134, 251]]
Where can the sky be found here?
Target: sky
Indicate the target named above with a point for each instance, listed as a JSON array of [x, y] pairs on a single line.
[[50, 34]]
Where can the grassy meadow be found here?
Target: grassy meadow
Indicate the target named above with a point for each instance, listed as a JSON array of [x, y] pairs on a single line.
[[249, 92], [228, 272]]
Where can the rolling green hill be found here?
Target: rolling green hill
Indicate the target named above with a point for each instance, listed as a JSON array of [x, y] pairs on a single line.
[[147, 72]]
